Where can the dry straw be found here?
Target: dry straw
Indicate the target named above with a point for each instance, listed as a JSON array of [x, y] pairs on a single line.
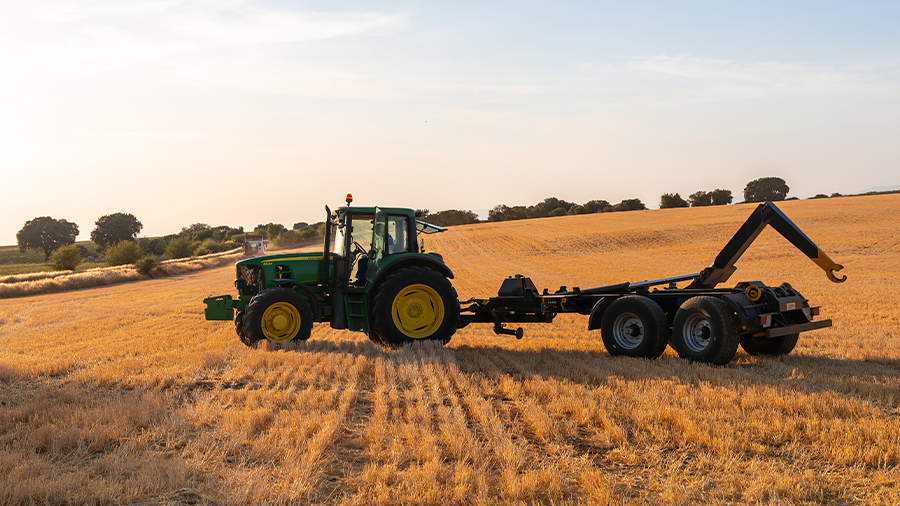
[[126, 395], [22, 285]]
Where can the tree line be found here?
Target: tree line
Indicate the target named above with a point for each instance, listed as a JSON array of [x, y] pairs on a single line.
[[115, 236]]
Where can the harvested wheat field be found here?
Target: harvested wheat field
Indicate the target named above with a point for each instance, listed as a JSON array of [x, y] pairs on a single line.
[[125, 394]]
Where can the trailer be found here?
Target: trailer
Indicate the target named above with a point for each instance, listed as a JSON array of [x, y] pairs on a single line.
[[375, 277]]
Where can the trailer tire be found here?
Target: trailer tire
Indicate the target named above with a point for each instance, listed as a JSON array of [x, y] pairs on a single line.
[[279, 315], [775, 346], [412, 304], [634, 326], [239, 328], [705, 330]]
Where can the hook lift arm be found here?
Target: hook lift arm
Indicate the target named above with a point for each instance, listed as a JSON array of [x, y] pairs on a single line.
[[765, 214]]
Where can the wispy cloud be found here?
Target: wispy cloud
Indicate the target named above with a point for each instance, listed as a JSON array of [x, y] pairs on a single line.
[[734, 79], [89, 36]]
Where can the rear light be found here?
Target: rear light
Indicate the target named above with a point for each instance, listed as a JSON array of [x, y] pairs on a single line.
[[440, 256], [814, 310], [764, 320]]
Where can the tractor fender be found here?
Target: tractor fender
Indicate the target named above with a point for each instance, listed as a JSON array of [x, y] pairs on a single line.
[[310, 297], [419, 260], [597, 312]]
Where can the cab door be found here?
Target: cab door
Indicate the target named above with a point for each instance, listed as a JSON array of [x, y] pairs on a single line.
[[379, 242]]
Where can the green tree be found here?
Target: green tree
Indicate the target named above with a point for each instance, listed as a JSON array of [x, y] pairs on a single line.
[[631, 205], [720, 197], [595, 206], [700, 199], [451, 217], [66, 258], [122, 253], [766, 189], [46, 233], [180, 247], [668, 201], [300, 225], [115, 228]]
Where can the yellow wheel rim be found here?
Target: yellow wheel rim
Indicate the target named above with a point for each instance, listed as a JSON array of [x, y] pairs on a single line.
[[281, 322], [418, 311]]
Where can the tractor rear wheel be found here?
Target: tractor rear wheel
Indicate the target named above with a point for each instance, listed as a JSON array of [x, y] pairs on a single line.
[[634, 326], [279, 315], [415, 303], [705, 330]]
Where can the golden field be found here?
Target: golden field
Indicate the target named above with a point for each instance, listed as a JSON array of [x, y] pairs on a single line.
[[125, 394]]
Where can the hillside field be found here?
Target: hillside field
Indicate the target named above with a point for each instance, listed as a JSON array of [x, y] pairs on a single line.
[[126, 395]]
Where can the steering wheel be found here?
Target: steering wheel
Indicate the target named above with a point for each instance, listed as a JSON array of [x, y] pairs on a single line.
[[358, 248]]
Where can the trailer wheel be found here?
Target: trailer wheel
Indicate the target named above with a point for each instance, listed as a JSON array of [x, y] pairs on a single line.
[[415, 303], [775, 346], [239, 327], [279, 315], [705, 330], [634, 326]]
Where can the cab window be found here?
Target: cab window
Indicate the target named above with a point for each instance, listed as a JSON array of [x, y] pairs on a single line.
[[397, 234]]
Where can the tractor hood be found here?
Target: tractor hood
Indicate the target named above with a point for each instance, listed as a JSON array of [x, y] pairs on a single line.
[[283, 257]]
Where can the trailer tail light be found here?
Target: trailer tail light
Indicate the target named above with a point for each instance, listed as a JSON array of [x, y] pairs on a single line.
[[815, 310], [764, 320], [810, 312]]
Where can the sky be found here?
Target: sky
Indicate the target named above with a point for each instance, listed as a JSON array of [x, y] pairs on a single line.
[[242, 112]]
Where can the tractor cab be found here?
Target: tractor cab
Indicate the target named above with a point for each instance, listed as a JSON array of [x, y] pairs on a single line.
[[366, 239]]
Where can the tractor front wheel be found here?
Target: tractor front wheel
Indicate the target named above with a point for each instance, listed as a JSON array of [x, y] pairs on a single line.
[[279, 315], [239, 327], [415, 303]]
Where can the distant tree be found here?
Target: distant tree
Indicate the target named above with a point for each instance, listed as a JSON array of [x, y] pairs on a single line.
[[180, 247], [595, 206], [450, 217], [152, 246], [720, 197], [66, 258], [47, 234], [122, 253], [632, 205], [115, 228], [700, 199], [836, 194], [766, 189], [270, 231], [300, 225], [668, 201], [548, 206], [820, 196], [196, 227], [559, 211], [504, 213]]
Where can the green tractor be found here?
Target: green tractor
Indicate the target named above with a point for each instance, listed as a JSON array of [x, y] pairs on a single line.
[[372, 276]]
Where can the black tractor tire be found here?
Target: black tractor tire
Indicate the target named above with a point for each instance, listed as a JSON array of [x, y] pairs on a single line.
[[705, 329], [239, 328], [279, 315], [413, 304], [634, 326], [374, 337]]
